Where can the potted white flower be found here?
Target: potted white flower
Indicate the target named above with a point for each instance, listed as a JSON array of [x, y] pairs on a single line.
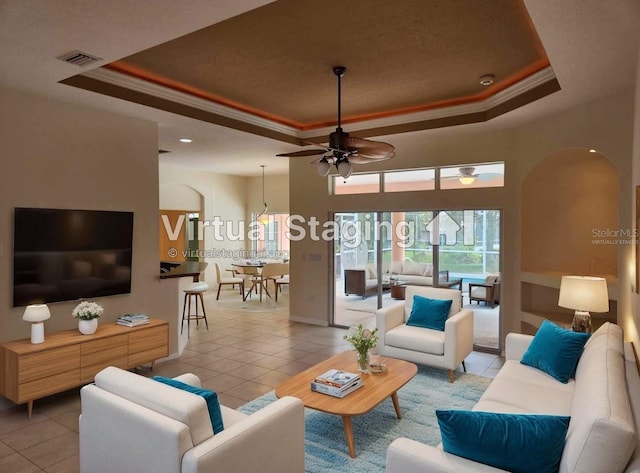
[[87, 314]]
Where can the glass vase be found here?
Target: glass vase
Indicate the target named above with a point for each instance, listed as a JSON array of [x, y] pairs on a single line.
[[363, 360]]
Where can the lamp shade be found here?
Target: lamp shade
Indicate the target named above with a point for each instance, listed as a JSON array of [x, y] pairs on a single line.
[[36, 313], [344, 169], [466, 180], [584, 293], [323, 167]]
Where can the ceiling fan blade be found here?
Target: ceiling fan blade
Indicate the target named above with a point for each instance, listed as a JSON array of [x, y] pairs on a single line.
[[368, 149], [305, 152], [362, 160], [487, 176], [373, 154], [355, 142]]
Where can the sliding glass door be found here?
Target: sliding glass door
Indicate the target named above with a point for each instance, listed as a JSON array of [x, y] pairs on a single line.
[[457, 249], [468, 256]]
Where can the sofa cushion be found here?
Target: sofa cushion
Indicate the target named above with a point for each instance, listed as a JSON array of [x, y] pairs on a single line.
[[416, 338], [514, 442], [555, 350], [432, 293], [522, 389], [395, 267], [602, 433], [231, 416], [428, 270], [210, 397], [429, 313], [371, 283], [411, 268], [372, 271], [184, 407], [413, 280]]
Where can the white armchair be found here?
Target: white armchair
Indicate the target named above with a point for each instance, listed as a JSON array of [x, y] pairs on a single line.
[[422, 345], [130, 423]]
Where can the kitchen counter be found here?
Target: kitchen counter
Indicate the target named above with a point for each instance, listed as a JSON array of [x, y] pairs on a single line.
[[172, 269]]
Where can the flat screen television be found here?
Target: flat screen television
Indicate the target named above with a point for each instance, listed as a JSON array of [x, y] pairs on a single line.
[[61, 255]]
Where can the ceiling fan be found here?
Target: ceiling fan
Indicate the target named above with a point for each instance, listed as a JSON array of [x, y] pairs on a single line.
[[467, 175], [345, 150]]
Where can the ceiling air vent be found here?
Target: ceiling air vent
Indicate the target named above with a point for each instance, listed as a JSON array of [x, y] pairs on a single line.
[[79, 58]]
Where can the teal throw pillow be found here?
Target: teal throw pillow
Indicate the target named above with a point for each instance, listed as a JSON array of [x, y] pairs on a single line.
[[555, 351], [429, 313], [519, 443], [215, 414]]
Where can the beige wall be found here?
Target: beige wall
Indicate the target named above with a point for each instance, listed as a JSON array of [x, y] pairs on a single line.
[[567, 199], [180, 197], [59, 155], [223, 197], [276, 194], [605, 125]]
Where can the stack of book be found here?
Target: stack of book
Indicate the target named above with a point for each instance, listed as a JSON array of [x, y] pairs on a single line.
[[133, 320], [336, 383]]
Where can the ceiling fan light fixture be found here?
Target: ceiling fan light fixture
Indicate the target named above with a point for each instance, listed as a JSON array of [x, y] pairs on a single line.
[[323, 167], [344, 168], [466, 175], [342, 145]]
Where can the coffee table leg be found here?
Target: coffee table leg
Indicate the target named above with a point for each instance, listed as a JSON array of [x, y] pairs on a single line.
[[396, 404], [348, 433]]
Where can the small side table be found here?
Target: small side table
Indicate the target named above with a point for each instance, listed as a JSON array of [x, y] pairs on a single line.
[[397, 290]]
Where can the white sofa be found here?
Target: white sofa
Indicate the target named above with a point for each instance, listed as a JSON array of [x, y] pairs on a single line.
[[363, 281], [603, 426], [446, 349], [130, 423]]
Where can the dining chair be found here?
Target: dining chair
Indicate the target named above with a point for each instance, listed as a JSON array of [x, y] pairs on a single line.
[[272, 272], [281, 279], [228, 281], [251, 276]]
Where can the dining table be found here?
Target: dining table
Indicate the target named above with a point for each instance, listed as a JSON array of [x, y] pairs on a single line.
[[245, 267]]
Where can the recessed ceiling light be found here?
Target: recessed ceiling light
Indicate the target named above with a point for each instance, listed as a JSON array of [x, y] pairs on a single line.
[[487, 80], [185, 140], [592, 150]]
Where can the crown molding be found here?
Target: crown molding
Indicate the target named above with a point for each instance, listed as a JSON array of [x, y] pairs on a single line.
[[541, 77], [148, 88], [133, 83]]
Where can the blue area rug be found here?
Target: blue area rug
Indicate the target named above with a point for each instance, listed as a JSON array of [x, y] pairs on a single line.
[[325, 445]]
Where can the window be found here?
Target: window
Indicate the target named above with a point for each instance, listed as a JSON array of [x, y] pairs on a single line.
[[271, 236], [357, 184], [414, 180], [272, 241], [472, 176], [461, 176]]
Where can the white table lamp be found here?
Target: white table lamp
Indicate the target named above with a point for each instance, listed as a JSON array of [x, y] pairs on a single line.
[[583, 294], [36, 314]]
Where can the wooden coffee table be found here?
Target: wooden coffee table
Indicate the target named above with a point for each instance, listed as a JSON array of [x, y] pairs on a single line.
[[451, 283], [376, 388]]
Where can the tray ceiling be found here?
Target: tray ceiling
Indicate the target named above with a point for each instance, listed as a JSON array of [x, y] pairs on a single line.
[[412, 64]]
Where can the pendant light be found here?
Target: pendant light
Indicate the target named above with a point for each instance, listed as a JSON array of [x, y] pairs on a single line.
[[266, 207]]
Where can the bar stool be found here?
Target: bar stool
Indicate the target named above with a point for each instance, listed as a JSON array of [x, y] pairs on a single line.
[[194, 291]]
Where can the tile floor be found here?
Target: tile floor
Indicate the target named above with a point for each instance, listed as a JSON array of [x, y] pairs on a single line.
[[248, 350]]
